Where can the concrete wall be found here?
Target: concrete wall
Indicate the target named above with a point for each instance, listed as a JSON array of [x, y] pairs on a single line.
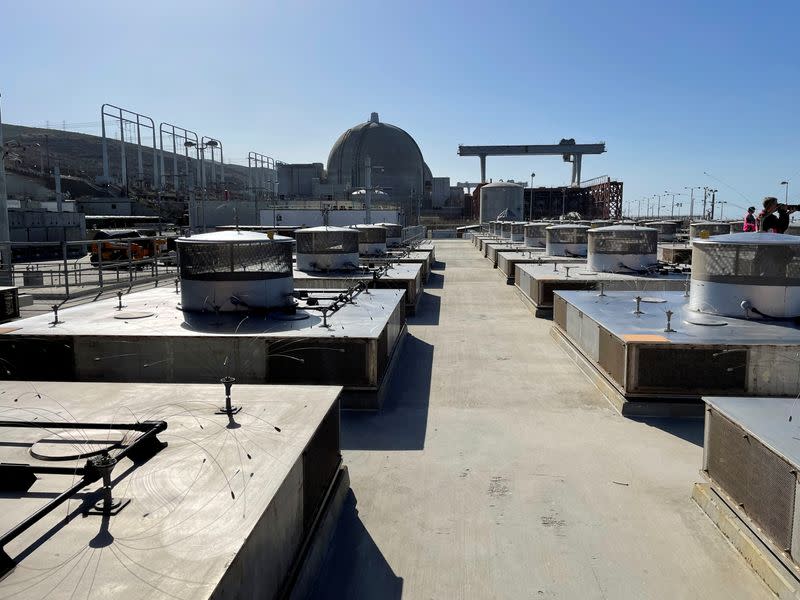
[[20, 186], [440, 192], [313, 217], [44, 226], [296, 179]]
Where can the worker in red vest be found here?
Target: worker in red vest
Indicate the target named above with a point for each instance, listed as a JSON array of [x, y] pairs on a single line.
[[750, 220]]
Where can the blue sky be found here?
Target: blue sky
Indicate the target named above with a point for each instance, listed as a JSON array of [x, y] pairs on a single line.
[[674, 88]]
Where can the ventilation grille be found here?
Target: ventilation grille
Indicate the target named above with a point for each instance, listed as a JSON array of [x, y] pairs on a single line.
[[663, 227], [608, 242], [517, 227], [207, 261], [571, 235], [759, 481], [746, 264], [371, 235], [538, 230], [326, 242], [687, 370]]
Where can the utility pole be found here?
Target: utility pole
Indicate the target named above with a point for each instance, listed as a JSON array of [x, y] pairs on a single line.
[[713, 200]]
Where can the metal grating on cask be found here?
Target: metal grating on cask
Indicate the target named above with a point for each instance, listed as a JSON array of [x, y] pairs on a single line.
[[758, 480]]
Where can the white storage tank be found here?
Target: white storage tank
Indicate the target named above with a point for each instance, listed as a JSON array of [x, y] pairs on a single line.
[[622, 249], [535, 234], [667, 230], [517, 231], [705, 229], [371, 239], [394, 234], [327, 248], [754, 275], [499, 196], [235, 270], [567, 240]]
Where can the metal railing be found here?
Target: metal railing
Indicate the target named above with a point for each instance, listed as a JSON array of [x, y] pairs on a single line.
[[411, 234], [73, 268]]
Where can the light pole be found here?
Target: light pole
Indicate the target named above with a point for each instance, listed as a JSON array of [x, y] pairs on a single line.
[[722, 204], [785, 191], [530, 211], [639, 209], [201, 147], [678, 205], [691, 198]]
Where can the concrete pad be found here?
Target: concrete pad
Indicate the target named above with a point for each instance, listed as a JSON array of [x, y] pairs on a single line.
[[538, 281], [223, 511], [154, 341], [702, 354], [496, 470]]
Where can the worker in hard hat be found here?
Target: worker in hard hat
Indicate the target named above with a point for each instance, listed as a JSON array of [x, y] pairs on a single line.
[[775, 216]]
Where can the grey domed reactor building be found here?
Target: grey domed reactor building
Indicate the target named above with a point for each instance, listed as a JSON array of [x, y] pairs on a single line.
[[394, 157], [391, 155]]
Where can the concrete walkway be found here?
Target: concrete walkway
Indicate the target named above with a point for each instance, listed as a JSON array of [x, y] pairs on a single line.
[[496, 470]]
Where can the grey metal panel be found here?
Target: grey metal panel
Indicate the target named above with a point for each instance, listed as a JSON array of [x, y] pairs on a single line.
[[590, 338], [574, 321]]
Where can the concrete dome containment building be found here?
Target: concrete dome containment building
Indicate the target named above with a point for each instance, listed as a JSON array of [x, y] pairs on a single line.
[[397, 164]]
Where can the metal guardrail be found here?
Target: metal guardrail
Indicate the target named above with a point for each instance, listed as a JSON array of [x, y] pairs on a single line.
[[411, 234], [66, 269]]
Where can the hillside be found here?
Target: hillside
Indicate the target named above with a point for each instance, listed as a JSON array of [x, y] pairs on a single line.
[[81, 155]]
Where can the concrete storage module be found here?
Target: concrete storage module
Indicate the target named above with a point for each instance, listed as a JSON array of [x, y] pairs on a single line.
[[225, 270], [341, 336], [751, 492], [394, 234], [567, 240], [371, 239], [535, 234], [667, 230], [327, 249], [517, 231], [705, 229], [622, 249], [145, 491], [725, 335], [750, 275]]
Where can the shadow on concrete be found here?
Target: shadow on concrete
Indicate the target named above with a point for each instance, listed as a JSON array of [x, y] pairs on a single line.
[[428, 310], [438, 265], [354, 566], [403, 420], [435, 281], [690, 430]]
